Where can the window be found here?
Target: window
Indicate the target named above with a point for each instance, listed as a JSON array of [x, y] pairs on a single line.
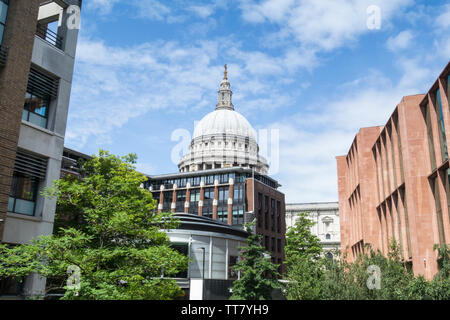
[[430, 137], [272, 214], [222, 208], [232, 261], [11, 286], [329, 256], [279, 245], [209, 194], [272, 244], [266, 212], [222, 214], [24, 189], [223, 178], [3, 14], [328, 236], [238, 193], [29, 171], [194, 199], [181, 199], [167, 201], [238, 215], [266, 242], [209, 179], [438, 209], [208, 198], [223, 196], [36, 110], [440, 116], [259, 210], [196, 181], [278, 216], [448, 90], [41, 89]]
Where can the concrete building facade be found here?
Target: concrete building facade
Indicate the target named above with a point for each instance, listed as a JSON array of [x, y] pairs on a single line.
[[35, 83], [326, 223], [394, 185]]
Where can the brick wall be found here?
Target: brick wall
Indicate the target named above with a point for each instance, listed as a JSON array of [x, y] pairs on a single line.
[[19, 38]]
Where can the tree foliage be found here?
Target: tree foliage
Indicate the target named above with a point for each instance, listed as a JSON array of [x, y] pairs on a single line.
[[107, 226], [311, 276], [258, 273], [303, 260]]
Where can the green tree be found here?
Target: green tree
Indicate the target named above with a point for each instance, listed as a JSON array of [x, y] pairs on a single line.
[[258, 273], [305, 266], [106, 225]]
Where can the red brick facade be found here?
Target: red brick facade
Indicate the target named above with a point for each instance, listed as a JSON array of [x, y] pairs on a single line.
[[394, 182]]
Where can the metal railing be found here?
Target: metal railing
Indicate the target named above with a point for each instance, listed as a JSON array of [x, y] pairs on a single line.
[[3, 55], [50, 36]]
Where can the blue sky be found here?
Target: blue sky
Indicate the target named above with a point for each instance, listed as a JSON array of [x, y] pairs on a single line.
[[311, 69]]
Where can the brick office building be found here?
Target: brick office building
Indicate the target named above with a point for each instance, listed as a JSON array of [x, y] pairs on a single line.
[[394, 182], [224, 178], [37, 50]]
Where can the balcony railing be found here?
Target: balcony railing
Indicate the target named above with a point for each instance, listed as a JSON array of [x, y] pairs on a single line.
[[50, 36], [3, 55]]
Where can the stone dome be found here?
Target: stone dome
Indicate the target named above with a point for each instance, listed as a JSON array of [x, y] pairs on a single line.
[[223, 139], [224, 121]]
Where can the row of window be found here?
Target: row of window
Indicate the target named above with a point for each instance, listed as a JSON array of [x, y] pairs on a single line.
[[207, 209], [272, 247], [195, 181], [209, 180], [275, 213], [223, 194]]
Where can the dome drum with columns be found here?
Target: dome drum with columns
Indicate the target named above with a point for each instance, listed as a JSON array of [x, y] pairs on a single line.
[[223, 138]]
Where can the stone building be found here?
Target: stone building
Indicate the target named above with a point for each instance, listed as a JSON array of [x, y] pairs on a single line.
[[37, 50], [223, 178], [394, 182], [326, 222]]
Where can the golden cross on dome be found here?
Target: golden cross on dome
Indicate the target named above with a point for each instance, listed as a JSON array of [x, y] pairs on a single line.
[[225, 73]]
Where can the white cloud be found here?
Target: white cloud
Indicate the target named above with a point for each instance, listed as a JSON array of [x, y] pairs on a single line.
[[152, 9], [103, 6], [113, 85], [401, 41], [202, 11], [322, 25], [443, 20], [310, 141]]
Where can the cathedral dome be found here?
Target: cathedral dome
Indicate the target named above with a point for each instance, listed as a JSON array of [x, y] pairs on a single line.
[[223, 139], [224, 121]]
